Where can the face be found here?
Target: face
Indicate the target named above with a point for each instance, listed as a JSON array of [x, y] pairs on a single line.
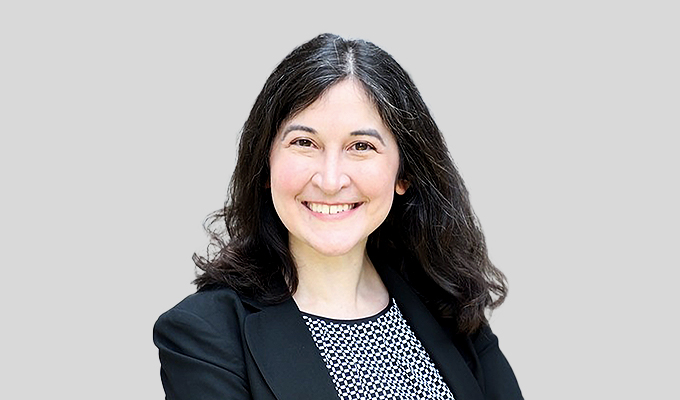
[[334, 172]]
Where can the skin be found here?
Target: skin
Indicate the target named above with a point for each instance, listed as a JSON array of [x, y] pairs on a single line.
[[333, 178]]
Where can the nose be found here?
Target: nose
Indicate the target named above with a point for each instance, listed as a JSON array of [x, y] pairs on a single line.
[[331, 175]]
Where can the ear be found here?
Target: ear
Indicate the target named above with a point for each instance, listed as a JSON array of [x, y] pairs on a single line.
[[401, 186]]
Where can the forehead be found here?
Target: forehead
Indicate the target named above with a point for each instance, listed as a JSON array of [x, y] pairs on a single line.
[[344, 103]]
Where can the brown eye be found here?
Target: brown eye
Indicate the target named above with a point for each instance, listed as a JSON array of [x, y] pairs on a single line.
[[362, 146], [303, 142]]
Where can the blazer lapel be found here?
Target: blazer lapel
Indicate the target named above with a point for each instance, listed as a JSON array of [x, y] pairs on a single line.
[[286, 355], [444, 354]]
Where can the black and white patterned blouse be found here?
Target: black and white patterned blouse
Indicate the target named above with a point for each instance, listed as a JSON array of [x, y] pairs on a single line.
[[378, 357]]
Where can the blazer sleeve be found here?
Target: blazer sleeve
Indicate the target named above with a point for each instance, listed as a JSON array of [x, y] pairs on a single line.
[[197, 360], [498, 381]]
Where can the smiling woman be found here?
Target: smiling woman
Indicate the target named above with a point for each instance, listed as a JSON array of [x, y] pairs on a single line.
[[352, 265], [334, 174]]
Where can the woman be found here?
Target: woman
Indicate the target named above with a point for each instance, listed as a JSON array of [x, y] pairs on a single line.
[[352, 265]]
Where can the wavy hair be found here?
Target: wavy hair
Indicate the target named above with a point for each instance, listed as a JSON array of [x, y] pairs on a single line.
[[431, 235]]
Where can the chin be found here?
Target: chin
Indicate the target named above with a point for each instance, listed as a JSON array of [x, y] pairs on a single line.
[[330, 249]]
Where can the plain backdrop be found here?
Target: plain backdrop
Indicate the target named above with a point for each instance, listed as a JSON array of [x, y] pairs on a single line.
[[119, 121]]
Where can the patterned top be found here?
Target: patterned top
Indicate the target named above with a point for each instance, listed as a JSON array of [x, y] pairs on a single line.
[[378, 357]]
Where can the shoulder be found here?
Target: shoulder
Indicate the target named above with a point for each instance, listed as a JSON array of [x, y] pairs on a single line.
[[206, 328], [200, 344], [490, 366], [207, 302], [484, 340], [208, 318]]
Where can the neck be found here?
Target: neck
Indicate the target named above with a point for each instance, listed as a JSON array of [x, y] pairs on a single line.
[[340, 287]]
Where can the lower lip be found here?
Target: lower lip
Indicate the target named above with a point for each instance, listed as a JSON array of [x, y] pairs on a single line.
[[333, 217]]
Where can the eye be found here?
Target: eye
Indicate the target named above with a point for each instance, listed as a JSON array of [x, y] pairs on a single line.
[[302, 142], [362, 146]]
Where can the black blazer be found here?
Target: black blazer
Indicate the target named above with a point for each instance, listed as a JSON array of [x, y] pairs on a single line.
[[217, 345]]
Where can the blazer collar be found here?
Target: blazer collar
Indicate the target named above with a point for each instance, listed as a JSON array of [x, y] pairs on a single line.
[[292, 366], [286, 354]]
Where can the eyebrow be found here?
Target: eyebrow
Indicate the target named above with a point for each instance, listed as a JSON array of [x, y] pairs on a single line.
[[361, 132], [369, 132], [296, 127]]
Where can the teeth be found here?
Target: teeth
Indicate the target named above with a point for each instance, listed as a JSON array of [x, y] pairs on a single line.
[[326, 209]]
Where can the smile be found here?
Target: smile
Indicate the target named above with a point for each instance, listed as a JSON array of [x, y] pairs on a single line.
[[330, 209]]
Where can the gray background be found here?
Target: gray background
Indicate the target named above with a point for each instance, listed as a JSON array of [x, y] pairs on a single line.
[[119, 121]]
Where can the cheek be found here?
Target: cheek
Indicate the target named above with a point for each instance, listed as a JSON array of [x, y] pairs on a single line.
[[379, 177], [287, 176]]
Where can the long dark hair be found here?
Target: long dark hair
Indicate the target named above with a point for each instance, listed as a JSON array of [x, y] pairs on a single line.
[[431, 235]]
